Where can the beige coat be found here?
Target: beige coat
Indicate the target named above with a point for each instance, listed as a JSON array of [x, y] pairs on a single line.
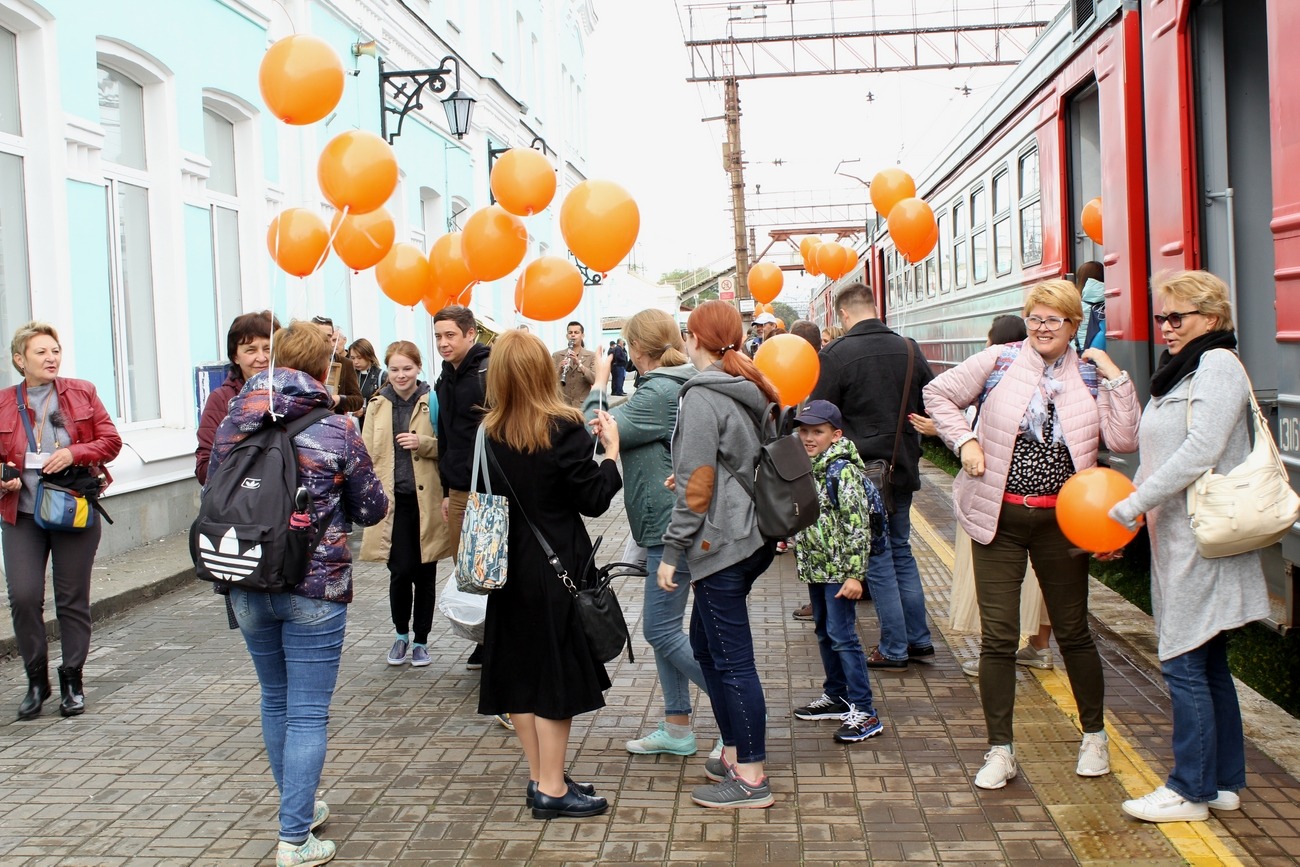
[[435, 540]]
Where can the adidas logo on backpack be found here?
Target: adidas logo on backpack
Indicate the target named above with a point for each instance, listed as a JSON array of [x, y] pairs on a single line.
[[225, 561]]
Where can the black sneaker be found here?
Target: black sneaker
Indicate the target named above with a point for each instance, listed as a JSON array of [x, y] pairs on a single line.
[[475, 661], [857, 726], [823, 708], [920, 654]]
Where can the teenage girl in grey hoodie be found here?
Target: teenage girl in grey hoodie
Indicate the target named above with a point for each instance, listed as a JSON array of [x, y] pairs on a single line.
[[713, 531]]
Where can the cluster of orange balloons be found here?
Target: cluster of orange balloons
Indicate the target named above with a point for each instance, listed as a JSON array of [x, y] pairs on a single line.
[[1091, 219], [1083, 509], [831, 259], [911, 221], [792, 365]]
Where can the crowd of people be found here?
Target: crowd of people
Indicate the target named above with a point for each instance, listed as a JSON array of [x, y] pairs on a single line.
[[395, 454]]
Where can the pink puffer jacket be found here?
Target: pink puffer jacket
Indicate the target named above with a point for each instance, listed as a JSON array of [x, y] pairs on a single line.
[[977, 502]]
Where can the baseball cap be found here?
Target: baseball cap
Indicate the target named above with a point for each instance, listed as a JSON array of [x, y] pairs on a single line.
[[764, 319], [821, 412]]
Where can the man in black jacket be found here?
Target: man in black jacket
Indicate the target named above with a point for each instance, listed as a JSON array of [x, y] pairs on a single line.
[[863, 373], [460, 389]]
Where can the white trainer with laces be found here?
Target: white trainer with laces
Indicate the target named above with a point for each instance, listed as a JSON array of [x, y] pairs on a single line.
[[1166, 805], [1225, 801], [1094, 755], [999, 767]]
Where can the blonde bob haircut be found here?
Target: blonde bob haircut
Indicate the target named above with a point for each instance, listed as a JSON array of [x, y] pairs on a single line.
[[656, 334], [523, 393], [302, 346], [1060, 295], [1199, 289], [24, 335]]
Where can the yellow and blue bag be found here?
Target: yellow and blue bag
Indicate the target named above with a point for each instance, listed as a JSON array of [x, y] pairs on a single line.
[[59, 508]]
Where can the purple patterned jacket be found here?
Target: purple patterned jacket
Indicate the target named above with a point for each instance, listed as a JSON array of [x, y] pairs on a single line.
[[332, 463]]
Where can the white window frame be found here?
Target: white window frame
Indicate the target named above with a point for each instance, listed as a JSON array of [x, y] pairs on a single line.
[[16, 145], [240, 115]]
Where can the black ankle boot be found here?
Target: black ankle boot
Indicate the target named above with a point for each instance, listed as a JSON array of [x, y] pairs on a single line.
[[38, 689], [73, 702]]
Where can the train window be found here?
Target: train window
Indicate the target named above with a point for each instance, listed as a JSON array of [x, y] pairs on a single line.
[[1029, 173], [1031, 210], [979, 256], [1002, 245], [977, 216], [918, 279], [958, 227], [931, 277], [943, 276], [1001, 192], [959, 264]]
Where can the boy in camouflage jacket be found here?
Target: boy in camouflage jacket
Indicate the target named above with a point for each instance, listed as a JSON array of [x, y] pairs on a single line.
[[831, 556]]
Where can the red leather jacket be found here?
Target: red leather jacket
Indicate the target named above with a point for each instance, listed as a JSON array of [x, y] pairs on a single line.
[[95, 440]]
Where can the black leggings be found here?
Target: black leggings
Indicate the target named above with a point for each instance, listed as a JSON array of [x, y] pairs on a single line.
[[409, 579]]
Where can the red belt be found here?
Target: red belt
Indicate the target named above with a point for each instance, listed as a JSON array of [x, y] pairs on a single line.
[[1031, 501]]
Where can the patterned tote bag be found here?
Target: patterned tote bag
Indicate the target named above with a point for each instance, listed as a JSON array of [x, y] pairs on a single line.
[[481, 561]]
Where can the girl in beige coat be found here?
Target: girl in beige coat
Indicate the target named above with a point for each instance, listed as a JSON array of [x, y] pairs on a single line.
[[400, 434]]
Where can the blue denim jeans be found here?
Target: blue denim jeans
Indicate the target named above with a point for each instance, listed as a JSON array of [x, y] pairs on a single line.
[[895, 585], [1209, 746], [295, 644], [836, 623], [661, 624], [724, 647]]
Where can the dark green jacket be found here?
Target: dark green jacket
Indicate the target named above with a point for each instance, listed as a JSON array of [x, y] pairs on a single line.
[[645, 430]]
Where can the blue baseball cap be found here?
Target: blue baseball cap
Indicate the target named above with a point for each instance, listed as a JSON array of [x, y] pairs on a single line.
[[821, 412]]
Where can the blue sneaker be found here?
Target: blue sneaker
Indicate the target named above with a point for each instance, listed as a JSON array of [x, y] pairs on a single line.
[[855, 726], [397, 653], [660, 742], [310, 853], [420, 656]]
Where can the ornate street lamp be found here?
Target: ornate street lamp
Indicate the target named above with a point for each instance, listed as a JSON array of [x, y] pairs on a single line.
[[406, 87]]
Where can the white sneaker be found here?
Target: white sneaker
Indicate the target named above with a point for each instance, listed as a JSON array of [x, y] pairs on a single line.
[[1166, 805], [1225, 801], [1094, 755], [999, 767], [1033, 657], [971, 667]]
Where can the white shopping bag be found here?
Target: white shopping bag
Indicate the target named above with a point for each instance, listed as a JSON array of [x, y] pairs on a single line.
[[465, 611]]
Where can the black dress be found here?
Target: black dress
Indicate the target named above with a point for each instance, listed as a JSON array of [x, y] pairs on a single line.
[[535, 654]]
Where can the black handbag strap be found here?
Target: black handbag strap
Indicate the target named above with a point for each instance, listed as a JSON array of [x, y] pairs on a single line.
[[22, 412], [551, 556], [902, 406]]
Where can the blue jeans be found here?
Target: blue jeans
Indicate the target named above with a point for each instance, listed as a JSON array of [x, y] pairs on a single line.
[[836, 623], [724, 647], [1209, 746], [295, 644], [895, 585], [661, 624]]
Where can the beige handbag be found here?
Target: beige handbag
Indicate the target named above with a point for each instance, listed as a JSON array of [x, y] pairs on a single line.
[[1251, 507]]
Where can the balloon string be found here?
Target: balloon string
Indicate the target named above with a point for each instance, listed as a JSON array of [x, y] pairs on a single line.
[[270, 367], [334, 233]]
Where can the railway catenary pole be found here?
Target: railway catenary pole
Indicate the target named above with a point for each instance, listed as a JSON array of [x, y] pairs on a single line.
[[736, 168]]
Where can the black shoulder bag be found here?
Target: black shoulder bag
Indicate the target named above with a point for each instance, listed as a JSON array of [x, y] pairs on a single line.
[[878, 471]]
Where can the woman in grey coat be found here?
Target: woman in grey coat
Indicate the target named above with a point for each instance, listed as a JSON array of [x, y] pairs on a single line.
[[645, 425], [1195, 600]]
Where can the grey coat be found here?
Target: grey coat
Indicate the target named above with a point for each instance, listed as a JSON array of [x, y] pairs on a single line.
[[1194, 599]]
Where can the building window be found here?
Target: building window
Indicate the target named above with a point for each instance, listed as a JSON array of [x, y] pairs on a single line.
[[1031, 210], [223, 203], [15, 286], [126, 199], [1002, 222]]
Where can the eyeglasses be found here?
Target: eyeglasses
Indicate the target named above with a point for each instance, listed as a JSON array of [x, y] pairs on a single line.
[[1051, 323], [1175, 320]]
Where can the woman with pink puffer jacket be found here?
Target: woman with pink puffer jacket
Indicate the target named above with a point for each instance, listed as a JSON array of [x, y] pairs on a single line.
[[1042, 410]]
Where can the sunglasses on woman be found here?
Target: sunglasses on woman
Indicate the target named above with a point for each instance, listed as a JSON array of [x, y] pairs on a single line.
[[1175, 320]]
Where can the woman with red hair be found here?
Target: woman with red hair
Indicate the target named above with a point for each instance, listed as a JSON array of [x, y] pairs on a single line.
[[714, 531]]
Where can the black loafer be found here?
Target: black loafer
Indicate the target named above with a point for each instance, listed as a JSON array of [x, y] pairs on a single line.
[[531, 791], [573, 805], [919, 654]]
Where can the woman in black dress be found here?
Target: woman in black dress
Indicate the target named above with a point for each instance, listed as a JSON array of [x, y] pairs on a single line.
[[536, 663]]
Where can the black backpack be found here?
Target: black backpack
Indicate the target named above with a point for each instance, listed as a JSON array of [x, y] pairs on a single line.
[[255, 529], [781, 484]]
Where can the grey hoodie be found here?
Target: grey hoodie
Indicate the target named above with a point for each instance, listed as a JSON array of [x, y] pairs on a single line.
[[713, 522]]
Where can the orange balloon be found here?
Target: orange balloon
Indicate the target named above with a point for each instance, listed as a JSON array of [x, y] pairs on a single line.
[[833, 260], [549, 288], [301, 78], [1091, 219], [600, 222], [889, 187], [362, 240], [913, 228], [298, 241], [765, 281], [853, 259], [1083, 506], [495, 242], [450, 273], [523, 181], [764, 308], [434, 300], [807, 246], [465, 296], [792, 365], [357, 171], [404, 274]]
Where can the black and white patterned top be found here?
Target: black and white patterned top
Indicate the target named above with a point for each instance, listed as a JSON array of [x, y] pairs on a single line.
[[1039, 467]]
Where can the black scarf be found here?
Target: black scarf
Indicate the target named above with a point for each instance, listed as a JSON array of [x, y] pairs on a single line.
[[1173, 368]]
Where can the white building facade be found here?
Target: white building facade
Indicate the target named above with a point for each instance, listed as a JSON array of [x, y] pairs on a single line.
[[139, 170]]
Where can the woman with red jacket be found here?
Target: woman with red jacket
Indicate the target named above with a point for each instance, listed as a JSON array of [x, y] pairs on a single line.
[[248, 346], [70, 427]]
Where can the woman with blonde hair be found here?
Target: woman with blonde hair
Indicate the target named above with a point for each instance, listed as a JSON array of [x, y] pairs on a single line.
[[537, 666], [1040, 422], [645, 425], [412, 538], [713, 532]]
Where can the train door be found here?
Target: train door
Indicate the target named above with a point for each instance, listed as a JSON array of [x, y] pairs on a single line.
[[1234, 162], [1083, 143]]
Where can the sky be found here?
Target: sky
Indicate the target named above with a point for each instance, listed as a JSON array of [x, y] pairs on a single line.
[[646, 130]]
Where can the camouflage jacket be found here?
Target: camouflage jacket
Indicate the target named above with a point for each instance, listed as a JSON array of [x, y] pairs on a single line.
[[836, 547]]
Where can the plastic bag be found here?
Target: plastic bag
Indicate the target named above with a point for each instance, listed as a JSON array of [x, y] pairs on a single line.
[[465, 611]]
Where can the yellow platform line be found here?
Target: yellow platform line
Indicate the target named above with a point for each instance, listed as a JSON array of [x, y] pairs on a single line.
[[1195, 841]]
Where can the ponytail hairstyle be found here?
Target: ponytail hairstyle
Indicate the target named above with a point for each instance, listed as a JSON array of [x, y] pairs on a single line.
[[656, 334], [717, 327]]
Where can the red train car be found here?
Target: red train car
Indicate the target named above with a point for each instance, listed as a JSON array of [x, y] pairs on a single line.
[[1184, 117]]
